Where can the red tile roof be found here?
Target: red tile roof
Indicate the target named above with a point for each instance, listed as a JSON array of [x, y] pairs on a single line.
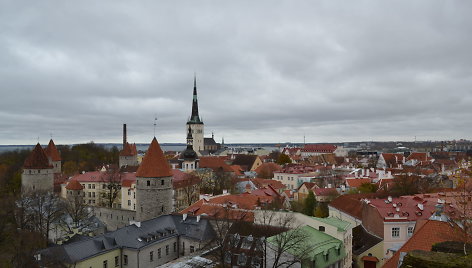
[[182, 179], [350, 204], [404, 208], [422, 157], [319, 148], [127, 150], [52, 151], [37, 159], [354, 183], [154, 164], [431, 232], [325, 191], [238, 206], [268, 167], [74, 185], [215, 163]]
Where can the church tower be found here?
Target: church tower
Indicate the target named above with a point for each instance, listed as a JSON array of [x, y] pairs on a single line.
[[153, 185], [189, 157], [195, 124], [37, 172]]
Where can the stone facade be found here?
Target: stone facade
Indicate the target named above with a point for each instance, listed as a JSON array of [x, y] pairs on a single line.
[[37, 180], [153, 197]]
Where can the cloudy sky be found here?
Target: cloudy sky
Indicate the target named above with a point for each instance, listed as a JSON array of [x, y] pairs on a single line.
[[267, 71]]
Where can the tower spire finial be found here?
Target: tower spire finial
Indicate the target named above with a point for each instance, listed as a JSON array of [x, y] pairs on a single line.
[[155, 124]]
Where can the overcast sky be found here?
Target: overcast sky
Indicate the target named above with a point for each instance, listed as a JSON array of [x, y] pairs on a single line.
[[267, 71]]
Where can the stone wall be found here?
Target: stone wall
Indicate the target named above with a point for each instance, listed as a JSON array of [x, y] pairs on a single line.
[[114, 218]]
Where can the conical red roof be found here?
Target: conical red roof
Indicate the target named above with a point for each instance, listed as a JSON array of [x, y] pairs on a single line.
[[52, 151], [127, 150], [154, 164], [37, 159], [74, 185]]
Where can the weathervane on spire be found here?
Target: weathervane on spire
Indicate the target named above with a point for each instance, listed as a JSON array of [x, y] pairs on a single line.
[[155, 124]]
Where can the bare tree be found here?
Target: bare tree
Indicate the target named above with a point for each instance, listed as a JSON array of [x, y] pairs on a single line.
[[78, 212], [191, 190], [463, 201], [38, 210], [111, 181]]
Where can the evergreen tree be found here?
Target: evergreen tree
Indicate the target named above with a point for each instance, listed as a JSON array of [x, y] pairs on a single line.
[[310, 204]]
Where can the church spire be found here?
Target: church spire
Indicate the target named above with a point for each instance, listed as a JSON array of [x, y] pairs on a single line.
[[195, 118]]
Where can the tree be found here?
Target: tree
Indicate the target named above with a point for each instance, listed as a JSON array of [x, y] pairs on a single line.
[[321, 210], [78, 212], [37, 211], [191, 190], [309, 204], [70, 168], [111, 181], [463, 201], [367, 188], [405, 184], [283, 159]]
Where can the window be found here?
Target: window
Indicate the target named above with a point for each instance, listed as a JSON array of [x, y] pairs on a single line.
[[129, 202], [105, 264], [192, 249], [321, 228], [242, 259], [162, 182], [117, 261], [93, 194], [93, 186], [159, 253], [148, 183], [175, 246], [125, 259], [151, 256], [167, 250], [89, 194], [395, 231], [183, 248], [104, 186], [129, 191], [89, 186], [162, 209], [410, 231]]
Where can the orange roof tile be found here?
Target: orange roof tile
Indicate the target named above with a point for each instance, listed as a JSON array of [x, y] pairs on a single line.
[[425, 236], [52, 151], [37, 159], [74, 185], [154, 164], [127, 150], [354, 183], [214, 163]]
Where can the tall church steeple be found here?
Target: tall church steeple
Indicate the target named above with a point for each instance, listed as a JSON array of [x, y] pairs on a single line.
[[195, 118], [195, 123]]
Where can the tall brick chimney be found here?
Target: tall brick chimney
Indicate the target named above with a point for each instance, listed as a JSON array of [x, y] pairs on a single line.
[[124, 135]]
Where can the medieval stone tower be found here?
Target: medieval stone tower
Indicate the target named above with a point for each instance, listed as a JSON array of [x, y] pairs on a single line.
[[195, 123], [129, 154], [54, 157], [38, 173], [153, 185]]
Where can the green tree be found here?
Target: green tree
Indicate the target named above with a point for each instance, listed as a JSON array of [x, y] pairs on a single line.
[[284, 159], [368, 188], [322, 210], [310, 204]]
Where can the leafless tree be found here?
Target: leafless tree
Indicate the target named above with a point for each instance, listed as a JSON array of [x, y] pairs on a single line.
[[463, 201], [191, 190], [77, 211], [38, 210], [111, 181]]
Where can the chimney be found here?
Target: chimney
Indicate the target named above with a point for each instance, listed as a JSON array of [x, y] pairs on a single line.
[[124, 135]]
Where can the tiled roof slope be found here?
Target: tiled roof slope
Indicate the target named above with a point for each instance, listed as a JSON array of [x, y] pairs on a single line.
[[52, 151], [350, 204], [127, 150], [424, 237], [37, 159], [74, 185], [154, 164]]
